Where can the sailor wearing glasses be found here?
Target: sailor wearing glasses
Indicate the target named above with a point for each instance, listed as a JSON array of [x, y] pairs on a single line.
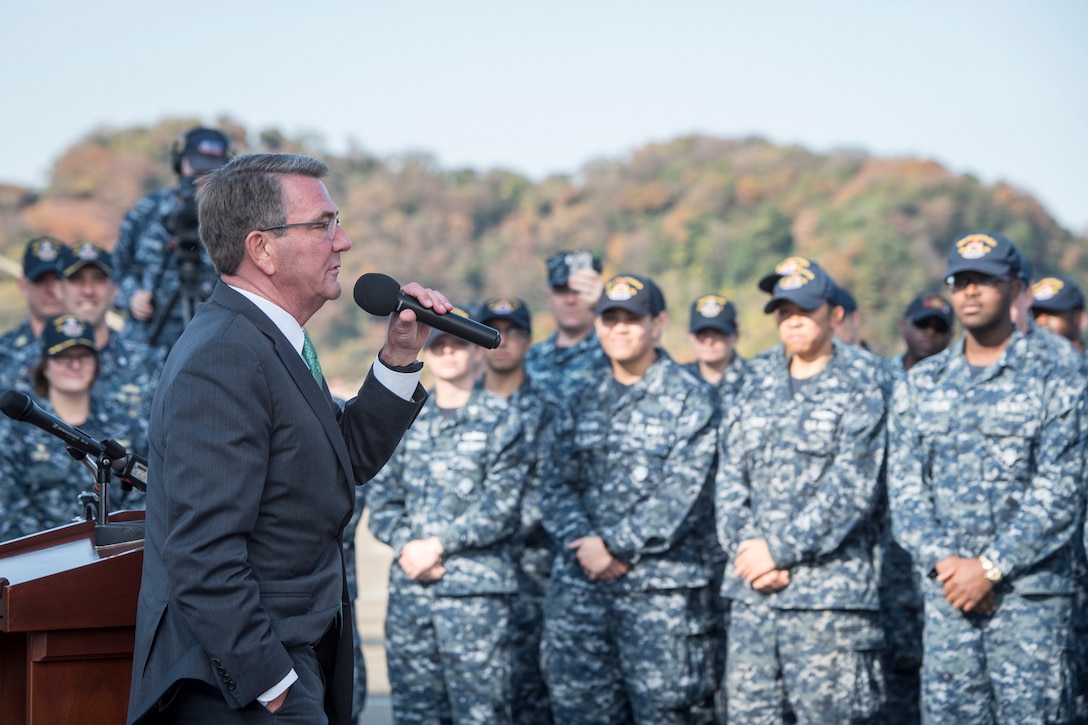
[[985, 465]]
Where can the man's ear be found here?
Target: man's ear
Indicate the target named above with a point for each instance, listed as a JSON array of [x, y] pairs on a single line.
[[259, 249]]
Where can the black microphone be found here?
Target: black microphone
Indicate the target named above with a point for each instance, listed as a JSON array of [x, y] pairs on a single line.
[[380, 295], [19, 406]]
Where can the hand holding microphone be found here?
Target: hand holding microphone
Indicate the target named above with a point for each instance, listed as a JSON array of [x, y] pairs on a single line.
[[381, 295]]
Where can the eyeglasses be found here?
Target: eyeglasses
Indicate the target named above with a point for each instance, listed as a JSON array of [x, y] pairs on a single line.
[[68, 361], [329, 224], [959, 282]]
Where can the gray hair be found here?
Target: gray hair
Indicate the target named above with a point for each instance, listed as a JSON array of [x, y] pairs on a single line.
[[245, 195]]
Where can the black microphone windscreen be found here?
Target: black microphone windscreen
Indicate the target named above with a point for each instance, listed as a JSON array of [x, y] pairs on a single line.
[[15, 405], [377, 293]]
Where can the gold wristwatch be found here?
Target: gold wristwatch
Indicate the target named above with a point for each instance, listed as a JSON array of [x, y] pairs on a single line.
[[990, 569]]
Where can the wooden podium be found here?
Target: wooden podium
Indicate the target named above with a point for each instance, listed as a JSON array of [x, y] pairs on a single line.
[[67, 625]]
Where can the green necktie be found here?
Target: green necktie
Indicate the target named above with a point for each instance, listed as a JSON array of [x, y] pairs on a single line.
[[309, 354]]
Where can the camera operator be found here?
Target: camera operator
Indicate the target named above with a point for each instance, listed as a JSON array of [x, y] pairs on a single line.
[[162, 269]]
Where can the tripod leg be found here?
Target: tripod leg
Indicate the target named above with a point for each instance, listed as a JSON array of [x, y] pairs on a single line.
[[162, 316]]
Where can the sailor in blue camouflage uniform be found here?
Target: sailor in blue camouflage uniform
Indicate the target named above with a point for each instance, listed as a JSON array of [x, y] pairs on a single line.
[[40, 481], [628, 632], [713, 333], [1051, 339], [148, 248], [926, 329], [128, 370], [1058, 305], [986, 459], [571, 354], [447, 503], [796, 502], [534, 551], [40, 287]]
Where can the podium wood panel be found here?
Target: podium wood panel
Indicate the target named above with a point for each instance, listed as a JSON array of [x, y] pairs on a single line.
[[67, 626]]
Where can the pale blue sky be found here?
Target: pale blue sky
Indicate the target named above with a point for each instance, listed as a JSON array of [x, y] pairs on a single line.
[[998, 88]]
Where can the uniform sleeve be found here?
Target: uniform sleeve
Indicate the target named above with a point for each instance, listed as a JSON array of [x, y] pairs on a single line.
[[11, 474], [563, 482], [732, 487], [910, 494], [494, 515], [1051, 508], [848, 491], [386, 497], [653, 524]]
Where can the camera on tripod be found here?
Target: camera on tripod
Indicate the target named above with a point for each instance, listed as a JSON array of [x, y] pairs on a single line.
[[183, 223], [186, 249]]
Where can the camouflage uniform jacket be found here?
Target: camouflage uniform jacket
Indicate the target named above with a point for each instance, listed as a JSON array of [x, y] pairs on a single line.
[[991, 464], [128, 373], [16, 347], [893, 366], [140, 262], [458, 478], [732, 377], [534, 548], [565, 370], [803, 472], [633, 470]]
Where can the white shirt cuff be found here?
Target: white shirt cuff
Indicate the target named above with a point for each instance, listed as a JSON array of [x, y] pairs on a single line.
[[278, 689], [403, 385]]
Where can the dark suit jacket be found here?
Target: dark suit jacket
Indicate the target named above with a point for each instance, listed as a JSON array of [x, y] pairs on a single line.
[[251, 476]]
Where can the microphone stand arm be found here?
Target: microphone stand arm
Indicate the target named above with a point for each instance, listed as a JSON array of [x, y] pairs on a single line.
[[106, 532]]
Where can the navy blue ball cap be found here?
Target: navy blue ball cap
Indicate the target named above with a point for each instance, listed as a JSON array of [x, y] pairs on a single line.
[[985, 253], [206, 149], [1056, 293], [713, 312], [42, 255], [631, 292], [65, 331], [927, 305], [787, 266], [82, 254], [513, 309], [803, 282]]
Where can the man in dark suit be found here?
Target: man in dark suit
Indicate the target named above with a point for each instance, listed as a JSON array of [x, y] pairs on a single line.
[[243, 607]]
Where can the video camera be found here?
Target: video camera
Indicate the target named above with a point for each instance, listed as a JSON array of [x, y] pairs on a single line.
[[183, 222], [186, 252]]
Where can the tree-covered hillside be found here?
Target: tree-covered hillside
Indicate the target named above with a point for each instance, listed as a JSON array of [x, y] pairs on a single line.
[[699, 214]]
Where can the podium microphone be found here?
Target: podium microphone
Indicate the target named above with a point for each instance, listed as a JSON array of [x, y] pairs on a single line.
[[19, 406], [130, 468], [380, 295]]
